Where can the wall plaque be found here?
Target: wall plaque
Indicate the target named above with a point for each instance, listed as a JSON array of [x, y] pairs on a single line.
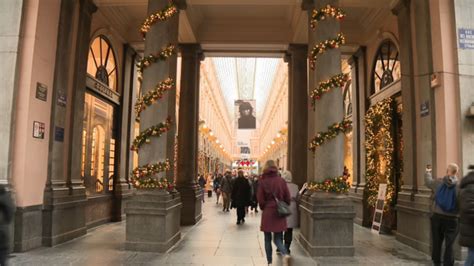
[[59, 134], [41, 91], [425, 109], [466, 38], [38, 130], [62, 98]]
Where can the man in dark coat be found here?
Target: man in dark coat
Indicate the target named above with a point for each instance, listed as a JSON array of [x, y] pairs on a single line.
[[241, 196], [466, 209], [6, 217]]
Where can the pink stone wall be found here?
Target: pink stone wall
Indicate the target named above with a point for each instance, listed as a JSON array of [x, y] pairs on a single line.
[[36, 64]]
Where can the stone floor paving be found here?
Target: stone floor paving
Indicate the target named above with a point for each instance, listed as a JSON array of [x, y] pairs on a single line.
[[216, 240]]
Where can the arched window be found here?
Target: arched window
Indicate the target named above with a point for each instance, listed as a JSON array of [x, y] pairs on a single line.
[[387, 66], [101, 63]]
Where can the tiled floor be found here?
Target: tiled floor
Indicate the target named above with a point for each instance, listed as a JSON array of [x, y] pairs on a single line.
[[216, 240]]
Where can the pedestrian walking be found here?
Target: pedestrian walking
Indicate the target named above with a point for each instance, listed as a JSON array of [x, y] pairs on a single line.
[[6, 217], [272, 188], [226, 188], [202, 183], [444, 219], [253, 200], [240, 196], [292, 219], [217, 187], [466, 211]]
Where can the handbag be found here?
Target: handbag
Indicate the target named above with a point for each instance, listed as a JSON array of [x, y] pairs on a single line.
[[283, 208]]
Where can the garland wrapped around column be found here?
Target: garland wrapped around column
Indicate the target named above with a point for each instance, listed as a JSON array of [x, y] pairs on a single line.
[[143, 177], [379, 144], [339, 184]]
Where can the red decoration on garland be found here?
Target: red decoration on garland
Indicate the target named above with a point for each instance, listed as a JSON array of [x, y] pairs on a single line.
[[162, 15], [333, 130], [323, 46], [152, 96], [154, 131], [325, 86], [328, 11]]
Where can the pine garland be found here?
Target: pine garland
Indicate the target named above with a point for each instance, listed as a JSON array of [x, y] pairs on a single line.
[[154, 131], [378, 121], [162, 15], [338, 184], [152, 96], [323, 13], [325, 86], [333, 130], [323, 46], [142, 176], [164, 54]]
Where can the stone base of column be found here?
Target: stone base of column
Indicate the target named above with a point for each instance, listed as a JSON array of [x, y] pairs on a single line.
[[28, 228], [363, 215], [122, 193], [327, 225], [64, 214], [191, 197], [153, 221]]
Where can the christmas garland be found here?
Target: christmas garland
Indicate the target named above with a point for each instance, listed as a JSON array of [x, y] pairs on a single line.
[[333, 130], [152, 96], [164, 54], [328, 11], [378, 121], [323, 46], [154, 131], [142, 176], [325, 86], [338, 184], [170, 10]]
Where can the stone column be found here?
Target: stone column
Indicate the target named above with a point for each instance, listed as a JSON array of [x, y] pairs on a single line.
[[298, 112], [156, 208], [65, 197], [190, 191], [359, 108], [126, 123], [327, 212]]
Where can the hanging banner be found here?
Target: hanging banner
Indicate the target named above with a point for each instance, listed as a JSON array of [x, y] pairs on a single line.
[[245, 114]]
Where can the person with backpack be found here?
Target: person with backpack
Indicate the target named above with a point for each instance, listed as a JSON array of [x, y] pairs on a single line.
[[444, 219], [466, 211]]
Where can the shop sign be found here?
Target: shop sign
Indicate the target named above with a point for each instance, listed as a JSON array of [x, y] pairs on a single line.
[[59, 134], [38, 130], [62, 98], [425, 109], [466, 38], [41, 91], [102, 89], [378, 214]]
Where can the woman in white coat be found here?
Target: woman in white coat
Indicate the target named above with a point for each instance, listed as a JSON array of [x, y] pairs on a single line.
[[292, 220]]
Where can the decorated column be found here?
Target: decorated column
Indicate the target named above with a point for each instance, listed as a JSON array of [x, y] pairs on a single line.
[[190, 191], [298, 112], [153, 213], [326, 212]]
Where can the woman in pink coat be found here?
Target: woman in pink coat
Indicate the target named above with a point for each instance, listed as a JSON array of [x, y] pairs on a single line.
[[272, 185]]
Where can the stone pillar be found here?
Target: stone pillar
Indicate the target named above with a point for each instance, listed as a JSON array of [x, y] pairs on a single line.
[[359, 108], [191, 192], [64, 197], [126, 123], [298, 112], [10, 26], [326, 212], [156, 207]]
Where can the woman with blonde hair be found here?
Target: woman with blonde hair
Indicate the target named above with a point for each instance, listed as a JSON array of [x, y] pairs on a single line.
[[272, 188]]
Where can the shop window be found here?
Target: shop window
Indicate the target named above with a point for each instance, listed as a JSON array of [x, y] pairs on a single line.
[[387, 66], [101, 63]]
